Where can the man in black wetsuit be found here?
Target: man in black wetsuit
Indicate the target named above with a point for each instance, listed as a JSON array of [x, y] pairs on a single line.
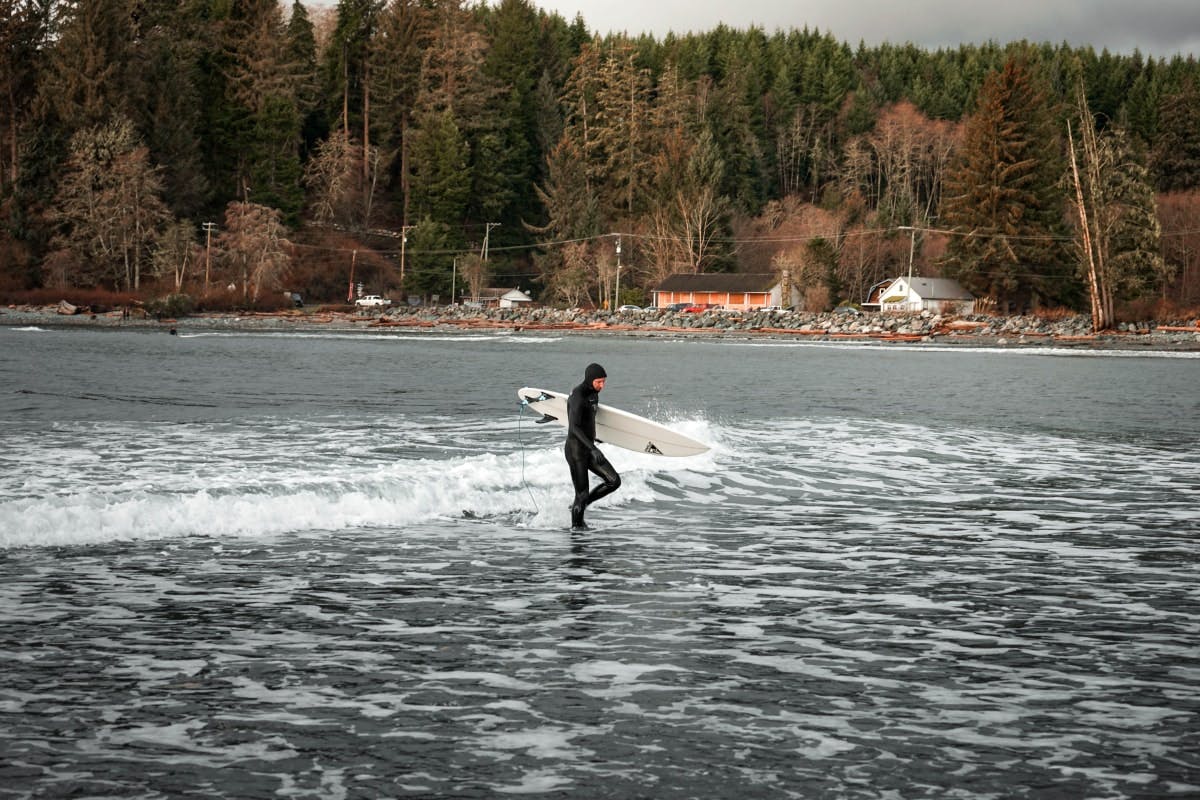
[[582, 454]]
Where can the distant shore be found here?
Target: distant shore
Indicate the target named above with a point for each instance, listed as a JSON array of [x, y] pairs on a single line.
[[888, 329]]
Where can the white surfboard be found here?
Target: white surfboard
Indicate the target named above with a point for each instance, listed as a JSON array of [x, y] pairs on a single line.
[[615, 426]]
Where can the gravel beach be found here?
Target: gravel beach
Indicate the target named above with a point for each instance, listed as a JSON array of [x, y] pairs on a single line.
[[887, 329]]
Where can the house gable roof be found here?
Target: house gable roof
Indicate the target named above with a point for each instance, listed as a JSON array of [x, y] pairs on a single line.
[[719, 282], [937, 289], [502, 293]]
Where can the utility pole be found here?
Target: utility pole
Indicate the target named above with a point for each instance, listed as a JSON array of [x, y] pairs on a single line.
[[453, 279], [403, 241], [487, 233], [617, 291], [208, 229], [912, 246]]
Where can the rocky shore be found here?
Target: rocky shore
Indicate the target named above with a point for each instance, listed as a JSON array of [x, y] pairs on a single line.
[[893, 328]]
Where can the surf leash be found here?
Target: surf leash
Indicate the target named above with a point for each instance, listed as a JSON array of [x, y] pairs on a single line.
[[521, 441]]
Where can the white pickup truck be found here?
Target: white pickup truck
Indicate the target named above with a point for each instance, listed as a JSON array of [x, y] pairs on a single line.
[[371, 300]]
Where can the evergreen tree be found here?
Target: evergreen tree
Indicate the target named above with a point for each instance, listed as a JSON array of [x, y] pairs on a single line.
[[571, 208], [348, 64], [24, 32], [300, 55], [1002, 198], [1130, 227], [167, 107], [1118, 222], [404, 34], [264, 83], [509, 161], [88, 73], [622, 127], [430, 264], [1176, 153], [441, 183]]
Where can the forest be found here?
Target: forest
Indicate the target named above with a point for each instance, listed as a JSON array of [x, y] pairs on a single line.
[[222, 152]]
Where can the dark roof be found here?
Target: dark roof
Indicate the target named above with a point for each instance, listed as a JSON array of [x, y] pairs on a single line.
[[719, 282], [940, 289]]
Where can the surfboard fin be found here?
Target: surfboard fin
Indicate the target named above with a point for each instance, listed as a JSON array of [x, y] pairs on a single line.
[[545, 418]]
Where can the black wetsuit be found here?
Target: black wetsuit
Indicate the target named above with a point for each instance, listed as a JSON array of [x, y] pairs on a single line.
[[582, 454]]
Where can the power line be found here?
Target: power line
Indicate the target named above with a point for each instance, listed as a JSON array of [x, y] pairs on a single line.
[[859, 233]]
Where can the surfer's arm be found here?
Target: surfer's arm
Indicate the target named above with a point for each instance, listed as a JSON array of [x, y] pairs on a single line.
[[575, 409]]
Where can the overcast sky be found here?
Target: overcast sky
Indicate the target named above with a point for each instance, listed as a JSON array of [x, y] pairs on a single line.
[[1156, 27]]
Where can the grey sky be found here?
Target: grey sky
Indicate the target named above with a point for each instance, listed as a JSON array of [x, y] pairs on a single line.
[[1156, 27]]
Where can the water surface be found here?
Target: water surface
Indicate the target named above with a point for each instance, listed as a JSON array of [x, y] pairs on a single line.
[[337, 565]]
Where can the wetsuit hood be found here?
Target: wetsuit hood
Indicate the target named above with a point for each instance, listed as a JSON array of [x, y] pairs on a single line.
[[592, 372]]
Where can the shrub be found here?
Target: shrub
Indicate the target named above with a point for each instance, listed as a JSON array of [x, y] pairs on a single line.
[[172, 305]]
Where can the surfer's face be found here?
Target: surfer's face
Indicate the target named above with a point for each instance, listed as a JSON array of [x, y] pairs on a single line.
[[598, 384]]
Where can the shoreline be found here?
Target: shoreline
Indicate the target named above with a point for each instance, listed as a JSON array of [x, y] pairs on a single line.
[[893, 330]]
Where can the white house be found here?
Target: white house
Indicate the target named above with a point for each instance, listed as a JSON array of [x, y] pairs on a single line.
[[504, 298], [941, 295]]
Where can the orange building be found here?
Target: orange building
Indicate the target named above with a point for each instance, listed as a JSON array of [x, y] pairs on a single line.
[[738, 291]]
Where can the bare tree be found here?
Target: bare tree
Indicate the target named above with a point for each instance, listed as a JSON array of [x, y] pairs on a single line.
[[475, 272], [176, 252], [252, 244], [569, 282], [690, 213], [108, 208], [332, 178]]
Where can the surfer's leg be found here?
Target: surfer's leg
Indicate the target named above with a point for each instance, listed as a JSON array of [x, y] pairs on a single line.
[[612, 481], [579, 477]]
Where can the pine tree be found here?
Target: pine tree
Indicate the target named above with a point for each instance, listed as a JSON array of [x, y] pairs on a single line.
[[441, 183], [1176, 154], [167, 108], [404, 34], [1002, 198], [88, 73], [430, 262], [300, 53], [264, 87], [24, 32], [621, 126], [507, 161]]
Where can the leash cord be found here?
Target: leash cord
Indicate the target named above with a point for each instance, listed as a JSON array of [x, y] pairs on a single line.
[[521, 442]]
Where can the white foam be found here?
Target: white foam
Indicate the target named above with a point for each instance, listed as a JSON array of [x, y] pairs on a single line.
[[409, 335], [926, 347]]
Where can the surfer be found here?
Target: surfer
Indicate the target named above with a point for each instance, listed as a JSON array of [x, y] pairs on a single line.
[[582, 454]]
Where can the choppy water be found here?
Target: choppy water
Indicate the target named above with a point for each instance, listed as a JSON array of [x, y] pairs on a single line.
[[239, 566]]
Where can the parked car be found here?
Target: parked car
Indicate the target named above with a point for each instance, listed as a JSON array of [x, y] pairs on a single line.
[[849, 311], [677, 306], [775, 309], [372, 300], [629, 309], [697, 308]]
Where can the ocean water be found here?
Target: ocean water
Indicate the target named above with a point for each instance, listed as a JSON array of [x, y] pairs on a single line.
[[337, 565]]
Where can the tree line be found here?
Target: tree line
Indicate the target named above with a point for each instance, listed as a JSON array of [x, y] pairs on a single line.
[[241, 144]]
